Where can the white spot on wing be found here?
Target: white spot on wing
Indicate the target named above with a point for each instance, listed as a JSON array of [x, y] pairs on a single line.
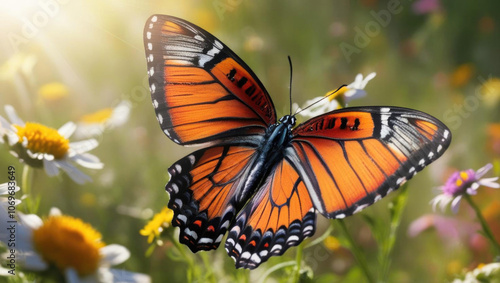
[[359, 208], [178, 168], [160, 118], [218, 44], [246, 255], [191, 233], [192, 159], [199, 38], [154, 19], [255, 258], [205, 241], [421, 162], [340, 216], [220, 239], [148, 35], [445, 134], [151, 71], [175, 188], [292, 238], [150, 46], [276, 248], [155, 103], [238, 248], [225, 224], [431, 154], [179, 203], [308, 228], [440, 147], [182, 218]]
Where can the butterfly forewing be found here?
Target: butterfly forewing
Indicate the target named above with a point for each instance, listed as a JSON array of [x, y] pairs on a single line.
[[352, 157], [201, 91]]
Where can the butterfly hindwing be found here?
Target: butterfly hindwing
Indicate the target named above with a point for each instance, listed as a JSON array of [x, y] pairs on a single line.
[[278, 216], [352, 157], [201, 91], [203, 188]]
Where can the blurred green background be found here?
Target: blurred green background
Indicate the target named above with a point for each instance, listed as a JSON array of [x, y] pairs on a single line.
[[430, 55]]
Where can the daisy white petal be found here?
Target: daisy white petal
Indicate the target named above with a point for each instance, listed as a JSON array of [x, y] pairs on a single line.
[[114, 255], [12, 115], [67, 129], [87, 160], [127, 276], [50, 167], [31, 221], [73, 172], [84, 146], [489, 182], [455, 204], [5, 189], [483, 170], [54, 211], [71, 276]]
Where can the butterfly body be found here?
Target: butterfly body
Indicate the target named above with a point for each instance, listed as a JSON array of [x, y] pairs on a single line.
[[261, 180]]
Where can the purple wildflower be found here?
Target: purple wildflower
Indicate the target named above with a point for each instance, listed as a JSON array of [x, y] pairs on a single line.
[[461, 183]]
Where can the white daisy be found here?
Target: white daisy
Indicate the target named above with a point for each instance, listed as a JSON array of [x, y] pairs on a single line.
[[8, 195], [483, 273], [94, 124], [321, 105], [70, 245], [41, 146]]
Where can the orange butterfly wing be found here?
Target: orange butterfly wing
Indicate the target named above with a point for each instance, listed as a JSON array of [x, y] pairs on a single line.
[[201, 91], [279, 215], [203, 191], [350, 158]]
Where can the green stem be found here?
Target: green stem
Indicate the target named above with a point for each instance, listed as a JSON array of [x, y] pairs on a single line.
[[26, 181], [190, 272], [298, 263], [274, 268], [484, 225], [356, 251], [209, 274]]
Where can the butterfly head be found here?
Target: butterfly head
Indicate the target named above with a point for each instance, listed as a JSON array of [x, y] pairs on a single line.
[[288, 120]]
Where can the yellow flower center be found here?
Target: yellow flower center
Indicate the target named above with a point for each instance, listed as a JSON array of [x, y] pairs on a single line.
[[53, 91], [65, 241], [155, 226], [100, 116], [332, 94], [331, 243], [42, 139]]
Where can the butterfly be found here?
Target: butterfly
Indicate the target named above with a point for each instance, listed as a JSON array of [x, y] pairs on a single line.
[[260, 179]]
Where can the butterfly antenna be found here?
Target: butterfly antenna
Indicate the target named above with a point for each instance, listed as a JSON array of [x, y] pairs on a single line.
[[325, 97], [291, 74]]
